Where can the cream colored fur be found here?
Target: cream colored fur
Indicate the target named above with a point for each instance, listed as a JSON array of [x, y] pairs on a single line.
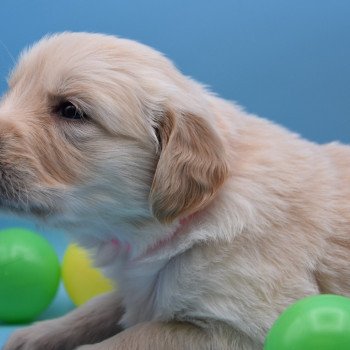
[[271, 211]]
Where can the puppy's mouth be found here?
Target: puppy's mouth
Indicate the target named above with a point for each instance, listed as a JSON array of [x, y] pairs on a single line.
[[25, 208], [18, 194]]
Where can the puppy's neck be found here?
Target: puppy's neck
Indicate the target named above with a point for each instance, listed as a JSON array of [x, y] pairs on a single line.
[[164, 243], [171, 238]]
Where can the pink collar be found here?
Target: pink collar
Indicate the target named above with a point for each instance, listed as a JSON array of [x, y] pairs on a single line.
[[158, 245]]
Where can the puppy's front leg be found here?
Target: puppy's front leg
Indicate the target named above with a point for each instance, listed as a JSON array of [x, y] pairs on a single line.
[[176, 336], [93, 322]]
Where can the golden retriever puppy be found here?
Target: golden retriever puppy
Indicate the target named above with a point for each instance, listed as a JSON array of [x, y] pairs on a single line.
[[212, 220]]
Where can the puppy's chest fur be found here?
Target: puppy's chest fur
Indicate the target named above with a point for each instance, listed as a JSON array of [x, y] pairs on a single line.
[[151, 290]]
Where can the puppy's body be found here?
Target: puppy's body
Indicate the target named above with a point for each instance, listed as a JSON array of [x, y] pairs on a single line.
[[221, 219]]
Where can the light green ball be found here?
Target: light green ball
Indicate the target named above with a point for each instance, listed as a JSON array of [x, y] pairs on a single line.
[[29, 275], [319, 322]]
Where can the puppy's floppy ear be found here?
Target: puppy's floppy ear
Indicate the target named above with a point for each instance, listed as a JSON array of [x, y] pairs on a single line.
[[191, 167]]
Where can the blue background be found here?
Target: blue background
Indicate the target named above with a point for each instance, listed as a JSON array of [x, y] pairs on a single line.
[[288, 61]]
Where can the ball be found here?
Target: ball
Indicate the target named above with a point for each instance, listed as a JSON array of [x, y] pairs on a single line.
[[81, 280], [29, 275], [319, 322]]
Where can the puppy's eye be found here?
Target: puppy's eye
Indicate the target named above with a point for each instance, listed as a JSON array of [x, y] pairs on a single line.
[[69, 111]]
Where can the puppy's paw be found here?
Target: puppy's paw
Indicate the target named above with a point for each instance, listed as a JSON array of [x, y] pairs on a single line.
[[47, 335]]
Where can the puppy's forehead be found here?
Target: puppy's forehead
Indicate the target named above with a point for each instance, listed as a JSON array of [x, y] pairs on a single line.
[[102, 74], [65, 54], [56, 58]]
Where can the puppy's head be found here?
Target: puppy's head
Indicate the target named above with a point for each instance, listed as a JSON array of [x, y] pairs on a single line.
[[97, 130]]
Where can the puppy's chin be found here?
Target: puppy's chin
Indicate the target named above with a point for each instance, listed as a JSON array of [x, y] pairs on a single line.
[[26, 209], [30, 211]]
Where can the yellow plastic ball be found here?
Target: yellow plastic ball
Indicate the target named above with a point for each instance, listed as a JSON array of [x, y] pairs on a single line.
[[81, 280]]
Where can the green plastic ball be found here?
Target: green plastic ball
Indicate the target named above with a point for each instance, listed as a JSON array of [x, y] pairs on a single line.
[[319, 322], [29, 275]]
